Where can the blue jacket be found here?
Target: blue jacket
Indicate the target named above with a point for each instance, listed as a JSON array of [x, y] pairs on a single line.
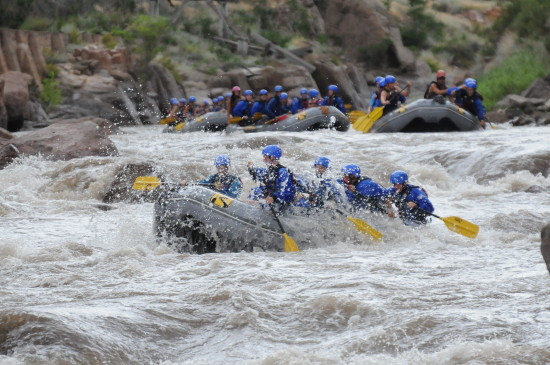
[[375, 100], [317, 192], [368, 195], [334, 101], [275, 107], [259, 107], [413, 194], [242, 109], [473, 104], [232, 185], [275, 181], [299, 104]]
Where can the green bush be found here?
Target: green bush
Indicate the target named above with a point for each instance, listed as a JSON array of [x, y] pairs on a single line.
[[529, 18], [462, 51], [276, 37], [420, 28], [109, 41], [148, 35], [513, 76], [51, 92], [38, 24]]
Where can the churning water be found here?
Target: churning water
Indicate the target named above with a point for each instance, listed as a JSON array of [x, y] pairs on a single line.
[[84, 282]]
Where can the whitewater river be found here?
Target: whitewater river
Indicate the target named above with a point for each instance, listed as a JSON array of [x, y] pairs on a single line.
[[82, 282]]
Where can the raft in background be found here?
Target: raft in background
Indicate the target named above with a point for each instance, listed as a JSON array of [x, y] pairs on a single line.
[[209, 122], [426, 115], [199, 220]]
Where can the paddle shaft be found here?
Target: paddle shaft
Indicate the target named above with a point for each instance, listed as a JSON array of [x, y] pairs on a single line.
[[277, 218]]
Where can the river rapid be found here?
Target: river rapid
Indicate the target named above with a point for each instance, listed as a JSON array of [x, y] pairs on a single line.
[[82, 282]]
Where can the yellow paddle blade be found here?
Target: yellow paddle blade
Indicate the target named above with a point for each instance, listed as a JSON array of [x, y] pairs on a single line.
[[290, 244], [461, 226], [146, 183], [167, 120], [355, 114], [180, 126], [234, 120], [365, 228], [365, 124]]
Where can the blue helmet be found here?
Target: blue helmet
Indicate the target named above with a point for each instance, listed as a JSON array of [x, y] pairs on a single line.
[[273, 151], [192, 99], [263, 92], [206, 102], [227, 95], [378, 79], [278, 88], [352, 170], [284, 96], [313, 93], [174, 101], [248, 92], [183, 100], [323, 161], [399, 177], [222, 160], [469, 82], [333, 88], [382, 83], [303, 90], [390, 79]]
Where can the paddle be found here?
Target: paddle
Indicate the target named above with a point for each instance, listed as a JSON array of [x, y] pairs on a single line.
[[234, 120], [363, 226], [457, 224], [168, 120], [354, 115], [364, 124], [290, 244], [152, 182], [277, 119]]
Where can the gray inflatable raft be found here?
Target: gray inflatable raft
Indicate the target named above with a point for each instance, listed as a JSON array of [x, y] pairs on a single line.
[[209, 122], [427, 115], [322, 117], [199, 220]]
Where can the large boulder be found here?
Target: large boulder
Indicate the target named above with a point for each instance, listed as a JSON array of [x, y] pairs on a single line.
[[64, 140], [3, 112], [545, 245], [342, 19], [16, 98], [121, 189]]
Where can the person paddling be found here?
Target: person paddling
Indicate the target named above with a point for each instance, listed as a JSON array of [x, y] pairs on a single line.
[[314, 193], [222, 181], [437, 87], [361, 191], [276, 182], [407, 199], [468, 98], [392, 94]]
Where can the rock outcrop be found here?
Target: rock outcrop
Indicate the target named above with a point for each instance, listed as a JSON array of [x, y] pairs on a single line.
[[63, 140], [545, 245]]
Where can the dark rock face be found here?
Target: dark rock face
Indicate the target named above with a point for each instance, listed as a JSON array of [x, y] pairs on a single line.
[[121, 188], [545, 245], [63, 140]]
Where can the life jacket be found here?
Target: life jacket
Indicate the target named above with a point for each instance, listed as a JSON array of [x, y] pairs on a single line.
[[226, 180], [304, 103], [431, 95], [468, 102], [400, 200], [233, 102], [270, 181], [372, 202]]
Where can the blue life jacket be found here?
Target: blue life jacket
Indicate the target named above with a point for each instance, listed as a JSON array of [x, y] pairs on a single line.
[[368, 195], [232, 185], [242, 109], [334, 101], [473, 104], [275, 181], [414, 194]]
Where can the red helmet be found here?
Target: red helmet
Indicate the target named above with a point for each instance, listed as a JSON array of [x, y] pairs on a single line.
[[440, 74]]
